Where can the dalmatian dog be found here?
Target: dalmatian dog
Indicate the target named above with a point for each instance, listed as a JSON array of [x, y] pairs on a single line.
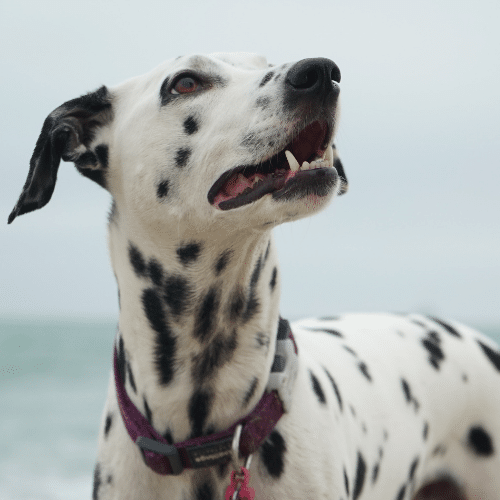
[[210, 395]]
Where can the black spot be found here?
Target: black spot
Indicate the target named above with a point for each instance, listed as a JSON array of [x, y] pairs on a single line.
[[108, 423], [182, 157], [165, 341], [419, 323], [189, 253], [263, 102], [317, 388], [375, 470], [207, 313], [272, 454], [155, 271], [253, 302], [199, 408], [256, 273], [110, 479], [440, 449], [137, 260], [360, 477], [190, 125], [465, 378], [120, 361], [237, 304], [250, 391], [480, 441], [177, 294], [349, 350], [262, 339], [434, 336], [413, 468], [102, 153], [408, 395], [446, 326], [401, 493], [162, 189], [97, 482], [204, 492], [335, 388], [266, 254], [131, 378], [329, 318], [346, 482], [431, 344], [147, 410], [222, 261], [325, 330], [272, 283], [406, 390], [266, 78], [364, 370], [492, 355], [426, 431], [215, 355]]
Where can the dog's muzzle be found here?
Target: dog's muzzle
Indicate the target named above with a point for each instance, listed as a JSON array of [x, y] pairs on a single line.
[[305, 165]]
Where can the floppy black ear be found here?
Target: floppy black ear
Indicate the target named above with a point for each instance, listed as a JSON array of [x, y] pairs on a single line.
[[344, 186], [67, 134]]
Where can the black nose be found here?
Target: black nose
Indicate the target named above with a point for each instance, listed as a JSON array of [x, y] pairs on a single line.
[[313, 75]]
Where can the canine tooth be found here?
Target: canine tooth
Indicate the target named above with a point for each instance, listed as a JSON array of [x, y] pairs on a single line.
[[329, 155], [294, 164]]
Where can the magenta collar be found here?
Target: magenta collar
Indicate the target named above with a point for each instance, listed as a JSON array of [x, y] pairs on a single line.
[[205, 451]]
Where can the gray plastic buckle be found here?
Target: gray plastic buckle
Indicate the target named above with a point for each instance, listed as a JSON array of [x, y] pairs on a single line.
[[284, 372], [167, 450]]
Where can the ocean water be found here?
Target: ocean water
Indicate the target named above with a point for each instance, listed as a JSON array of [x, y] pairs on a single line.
[[53, 383]]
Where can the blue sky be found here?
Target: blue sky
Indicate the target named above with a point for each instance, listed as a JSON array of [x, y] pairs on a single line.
[[419, 229]]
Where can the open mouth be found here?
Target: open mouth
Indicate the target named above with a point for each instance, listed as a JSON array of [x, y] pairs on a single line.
[[304, 166]]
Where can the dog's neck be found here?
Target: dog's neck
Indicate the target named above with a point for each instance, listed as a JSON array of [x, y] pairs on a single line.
[[198, 322]]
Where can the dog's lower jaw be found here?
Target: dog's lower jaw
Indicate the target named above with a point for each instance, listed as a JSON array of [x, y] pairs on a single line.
[[198, 333]]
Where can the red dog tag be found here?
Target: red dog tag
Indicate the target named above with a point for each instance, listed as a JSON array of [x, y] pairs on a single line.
[[238, 489]]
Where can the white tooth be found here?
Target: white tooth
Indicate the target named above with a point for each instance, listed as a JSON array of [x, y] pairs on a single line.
[[294, 164], [329, 155], [305, 166], [313, 165]]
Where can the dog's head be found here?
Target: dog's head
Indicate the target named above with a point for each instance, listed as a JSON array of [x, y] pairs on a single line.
[[219, 139]]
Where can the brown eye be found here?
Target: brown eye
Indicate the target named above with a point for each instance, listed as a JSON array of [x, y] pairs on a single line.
[[185, 85]]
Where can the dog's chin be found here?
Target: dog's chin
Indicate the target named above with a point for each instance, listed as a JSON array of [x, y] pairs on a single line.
[[303, 169]]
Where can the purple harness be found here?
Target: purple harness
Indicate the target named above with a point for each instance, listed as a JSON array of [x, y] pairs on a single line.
[[206, 451]]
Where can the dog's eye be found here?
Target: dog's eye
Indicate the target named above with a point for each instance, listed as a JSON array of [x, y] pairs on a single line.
[[185, 85]]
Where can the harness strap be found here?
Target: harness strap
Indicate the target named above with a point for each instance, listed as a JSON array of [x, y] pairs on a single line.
[[205, 451]]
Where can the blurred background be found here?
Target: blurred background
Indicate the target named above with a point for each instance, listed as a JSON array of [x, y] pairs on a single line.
[[419, 229]]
